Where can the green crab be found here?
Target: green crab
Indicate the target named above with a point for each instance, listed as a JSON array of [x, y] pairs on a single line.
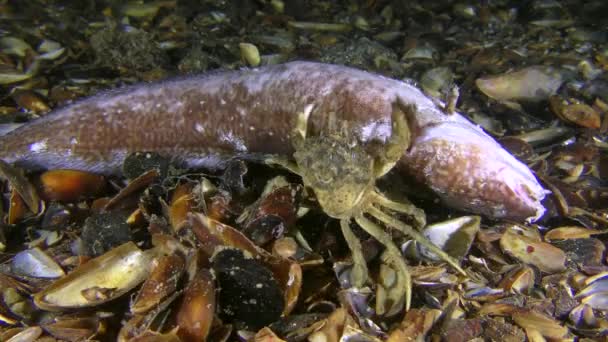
[[342, 174]]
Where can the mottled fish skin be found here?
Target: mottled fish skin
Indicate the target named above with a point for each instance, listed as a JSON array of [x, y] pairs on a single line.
[[203, 120]]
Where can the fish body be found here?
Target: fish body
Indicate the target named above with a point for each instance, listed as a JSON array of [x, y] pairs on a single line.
[[204, 120]]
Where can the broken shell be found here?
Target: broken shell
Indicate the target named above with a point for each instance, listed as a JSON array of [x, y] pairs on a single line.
[[582, 115], [272, 214], [423, 52], [458, 329], [15, 306], [58, 216], [428, 274], [2, 238], [10, 75], [17, 209], [596, 293], [211, 234], [98, 281], [565, 233], [356, 301], [14, 46], [490, 124], [162, 282], [465, 11], [285, 247], [533, 83], [586, 323], [313, 26], [598, 301], [546, 257], [7, 318], [546, 326], [182, 202], [27, 335], [266, 335], [277, 5], [454, 236], [196, 311], [74, 328], [145, 10], [582, 315], [250, 54], [134, 186], [70, 185], [10, 282], [333, 328], [154, 336], [415, 325], [598, 277], [353, 334], [36, 263], [484, 294], [22, 185], [436, 81], [154, 320], [576, 113], [30, 101], [520, 280], [297, 327], [50, 50]]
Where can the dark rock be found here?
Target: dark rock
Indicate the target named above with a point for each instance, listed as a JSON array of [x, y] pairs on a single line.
[[104, 231], [583, 251], [139, 163], [248, 291]]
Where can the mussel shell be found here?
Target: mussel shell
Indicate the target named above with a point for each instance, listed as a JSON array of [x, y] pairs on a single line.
[[98, 281]]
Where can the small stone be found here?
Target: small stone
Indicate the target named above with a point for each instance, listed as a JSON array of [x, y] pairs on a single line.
[[534, 83]]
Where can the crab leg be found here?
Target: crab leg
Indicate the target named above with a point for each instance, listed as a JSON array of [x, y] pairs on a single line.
[[405, 208], [273, 160], [398, 142], [359, 272], [409, 231], [393, 256]]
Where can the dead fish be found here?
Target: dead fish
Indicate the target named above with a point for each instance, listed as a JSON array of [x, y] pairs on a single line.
[[202, 121]]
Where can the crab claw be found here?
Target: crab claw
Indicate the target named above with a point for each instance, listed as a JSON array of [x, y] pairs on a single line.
[[471, 171]]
